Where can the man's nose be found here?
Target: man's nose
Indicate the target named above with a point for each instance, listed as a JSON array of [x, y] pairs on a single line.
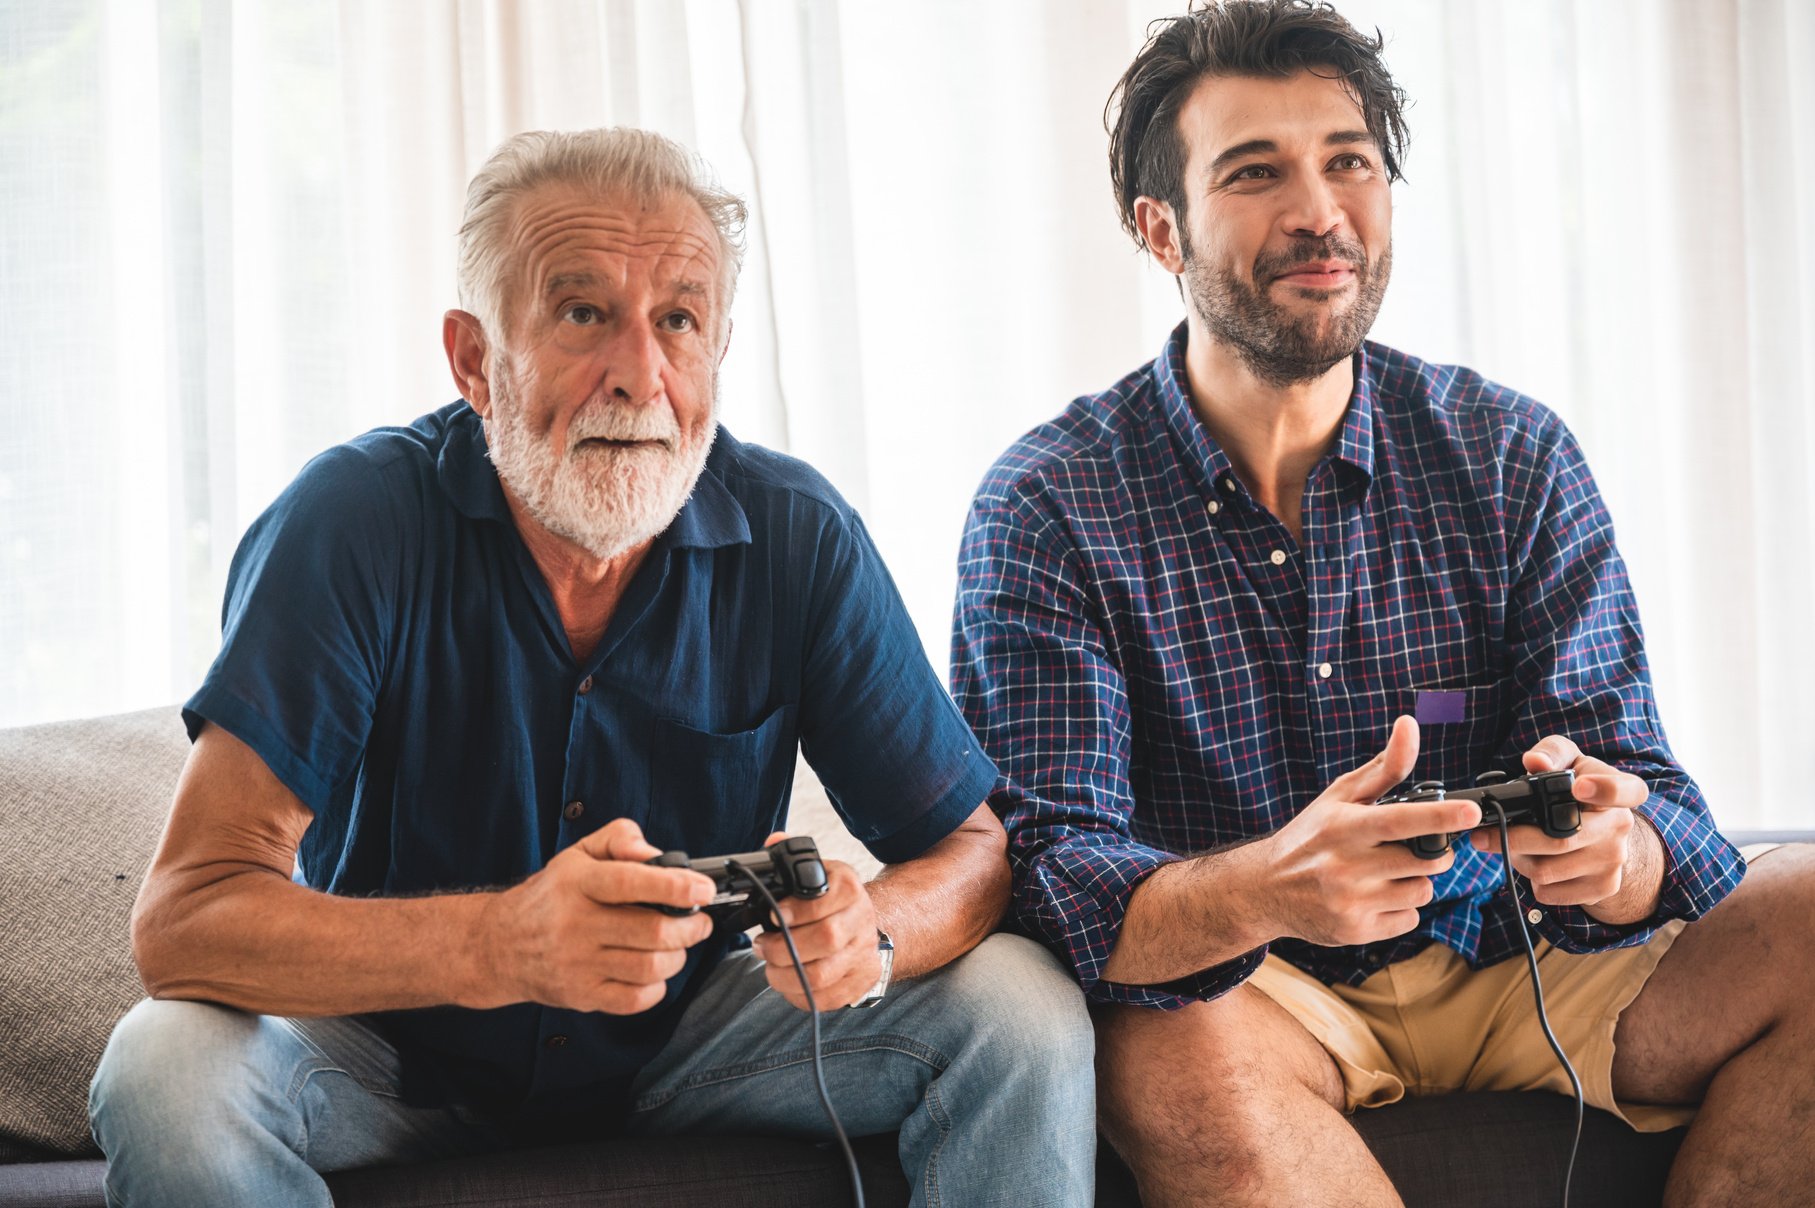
[[633, 364], [1311, 208]]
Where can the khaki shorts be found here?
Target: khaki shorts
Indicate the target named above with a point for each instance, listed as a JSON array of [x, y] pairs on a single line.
[[1431, 1025]]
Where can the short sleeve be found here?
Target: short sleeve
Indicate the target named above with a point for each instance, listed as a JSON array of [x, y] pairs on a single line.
[[305, 627], [897, 760]]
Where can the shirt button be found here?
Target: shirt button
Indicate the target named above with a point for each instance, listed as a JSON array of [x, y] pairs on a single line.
[[574, 810], [1278, 556], [1215, 506], [1228, 485], [1535, 916], [555, 1042], [586, 685], [1324, 670]]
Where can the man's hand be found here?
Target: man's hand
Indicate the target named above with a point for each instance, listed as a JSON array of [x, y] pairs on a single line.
[[835, 935], [1613, 865], [1340, 873], [579, 934]]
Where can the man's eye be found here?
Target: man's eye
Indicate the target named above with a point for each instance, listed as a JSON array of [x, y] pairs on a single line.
[[1349, 163], [1253, 172], [678, 321], [581, 314]]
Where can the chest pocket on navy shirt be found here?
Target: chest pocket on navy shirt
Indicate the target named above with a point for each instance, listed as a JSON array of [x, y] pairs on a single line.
[[719, 793], [1456, 752]]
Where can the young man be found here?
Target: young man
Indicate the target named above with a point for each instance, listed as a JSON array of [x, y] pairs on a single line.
[[477, 672], [1192, 607]]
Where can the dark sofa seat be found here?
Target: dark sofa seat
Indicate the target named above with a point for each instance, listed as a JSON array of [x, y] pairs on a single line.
[[1487, 1151]]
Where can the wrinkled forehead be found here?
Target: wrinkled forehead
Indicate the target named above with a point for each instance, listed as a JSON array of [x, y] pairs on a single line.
[[1233, 112], [564, 235]]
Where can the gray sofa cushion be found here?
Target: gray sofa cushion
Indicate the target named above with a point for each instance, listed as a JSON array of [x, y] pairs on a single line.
[[81, 805]]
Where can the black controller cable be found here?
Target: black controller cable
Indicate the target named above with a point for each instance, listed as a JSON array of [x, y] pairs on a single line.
[[819, 1069], [1537, 988]]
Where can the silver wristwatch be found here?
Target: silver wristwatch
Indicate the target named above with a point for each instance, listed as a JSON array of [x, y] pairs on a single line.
[[885, 948]]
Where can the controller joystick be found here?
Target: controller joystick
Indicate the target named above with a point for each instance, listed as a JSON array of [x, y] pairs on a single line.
[[1541, 799], [790, 868]]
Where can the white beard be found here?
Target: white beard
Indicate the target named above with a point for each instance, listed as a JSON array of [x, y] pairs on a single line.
[[604, 499]]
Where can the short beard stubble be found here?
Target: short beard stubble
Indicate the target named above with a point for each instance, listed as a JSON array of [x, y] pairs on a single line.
[[1278, 347]]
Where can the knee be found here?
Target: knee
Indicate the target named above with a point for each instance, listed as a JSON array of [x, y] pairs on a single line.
[[1208, 1079], [1019, 1013], [169, 1068]]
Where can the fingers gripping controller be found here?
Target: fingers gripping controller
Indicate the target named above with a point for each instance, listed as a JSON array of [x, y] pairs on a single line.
[[1542, 799], [790, 868]]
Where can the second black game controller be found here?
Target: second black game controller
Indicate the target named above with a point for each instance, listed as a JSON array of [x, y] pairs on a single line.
[[1541, 799], [790, 868]]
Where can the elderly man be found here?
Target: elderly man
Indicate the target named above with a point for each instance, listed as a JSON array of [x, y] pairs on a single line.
[[479, 670], [1193, 608]]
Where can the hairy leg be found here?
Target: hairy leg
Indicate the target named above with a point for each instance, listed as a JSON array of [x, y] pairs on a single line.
[[1728, 1019], [1229, 1102]]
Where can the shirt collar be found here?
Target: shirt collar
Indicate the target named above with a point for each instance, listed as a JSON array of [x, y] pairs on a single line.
[[1354, 441], [711, 517]]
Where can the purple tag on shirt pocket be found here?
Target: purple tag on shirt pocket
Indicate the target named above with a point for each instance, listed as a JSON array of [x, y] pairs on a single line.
[[1437, 708]]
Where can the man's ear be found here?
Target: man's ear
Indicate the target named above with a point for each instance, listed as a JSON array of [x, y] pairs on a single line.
[[1159, 229], [467, 352]]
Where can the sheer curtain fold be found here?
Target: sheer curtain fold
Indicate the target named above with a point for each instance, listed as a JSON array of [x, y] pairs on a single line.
[[228, 231]]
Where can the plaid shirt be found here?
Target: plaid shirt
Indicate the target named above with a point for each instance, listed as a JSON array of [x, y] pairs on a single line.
[[1159, 668]]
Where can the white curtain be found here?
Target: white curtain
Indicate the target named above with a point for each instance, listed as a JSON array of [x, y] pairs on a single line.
[[227, 239]]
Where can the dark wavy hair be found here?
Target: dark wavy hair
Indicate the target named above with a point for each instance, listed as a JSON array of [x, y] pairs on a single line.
[[1235, 38]]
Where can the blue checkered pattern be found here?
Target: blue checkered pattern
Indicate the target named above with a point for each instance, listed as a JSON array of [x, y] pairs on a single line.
[[1158, 668]]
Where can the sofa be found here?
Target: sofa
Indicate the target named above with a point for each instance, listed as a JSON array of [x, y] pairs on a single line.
[[81, 805]]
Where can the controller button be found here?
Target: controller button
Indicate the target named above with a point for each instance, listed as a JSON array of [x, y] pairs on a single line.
[[573, 810]]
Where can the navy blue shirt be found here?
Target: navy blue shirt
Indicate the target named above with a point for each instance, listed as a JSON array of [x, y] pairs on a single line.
[[394, 655]]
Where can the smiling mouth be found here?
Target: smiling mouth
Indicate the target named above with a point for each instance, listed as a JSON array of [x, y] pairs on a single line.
[[1319, 278]]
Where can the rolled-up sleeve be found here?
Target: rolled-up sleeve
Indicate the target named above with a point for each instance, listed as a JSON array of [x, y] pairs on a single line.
[[1579, 656], [1039, 684]]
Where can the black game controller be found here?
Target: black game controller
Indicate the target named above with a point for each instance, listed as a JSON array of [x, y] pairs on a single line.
[[1542, 799], [788, 869]]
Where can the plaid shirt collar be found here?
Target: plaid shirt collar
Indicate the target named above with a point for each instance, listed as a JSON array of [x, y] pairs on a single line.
[[1205, 460]]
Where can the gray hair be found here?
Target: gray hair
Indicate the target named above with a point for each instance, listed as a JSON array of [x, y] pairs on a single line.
[[616, 159]]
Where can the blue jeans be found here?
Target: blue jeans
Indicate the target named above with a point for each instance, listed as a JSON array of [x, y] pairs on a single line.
[[985, 1068]]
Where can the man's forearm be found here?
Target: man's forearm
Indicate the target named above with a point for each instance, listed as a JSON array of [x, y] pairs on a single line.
[[941, 905], [1192, 915], [256, 941]]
